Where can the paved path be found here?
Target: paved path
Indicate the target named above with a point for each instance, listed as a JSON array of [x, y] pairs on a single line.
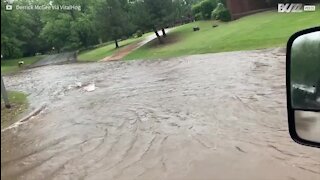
[[130, 48], [56, 59]]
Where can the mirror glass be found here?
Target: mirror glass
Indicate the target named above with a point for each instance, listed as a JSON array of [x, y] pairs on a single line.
[[308, 125], [305, 85]]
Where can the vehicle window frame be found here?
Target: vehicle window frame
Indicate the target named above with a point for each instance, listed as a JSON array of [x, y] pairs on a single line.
[[290, 110]]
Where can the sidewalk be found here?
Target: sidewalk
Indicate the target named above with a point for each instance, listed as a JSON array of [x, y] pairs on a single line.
[[120, 54]]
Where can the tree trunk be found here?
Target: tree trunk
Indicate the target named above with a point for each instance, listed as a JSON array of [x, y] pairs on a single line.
[[164, 32], [83, 39], [116, 43], [158, 36]]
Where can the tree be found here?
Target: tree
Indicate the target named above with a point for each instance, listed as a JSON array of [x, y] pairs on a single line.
[[183, 11], [71, 29], [34, 44], [59, 34], [25, 32], [160, 14], [115, 19], [140, 16], [20, 32]]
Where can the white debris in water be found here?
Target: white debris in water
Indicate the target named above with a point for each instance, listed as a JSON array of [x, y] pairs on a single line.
[[69, 87], [75, 85], [90, 87], [78, 84]]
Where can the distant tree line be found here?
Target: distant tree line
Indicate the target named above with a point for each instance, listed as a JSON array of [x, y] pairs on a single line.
[[27, 32]]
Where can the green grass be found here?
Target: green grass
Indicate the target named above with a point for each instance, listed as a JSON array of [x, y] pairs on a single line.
[[263, 30], [105, 51], [11, 65], [19, 104]]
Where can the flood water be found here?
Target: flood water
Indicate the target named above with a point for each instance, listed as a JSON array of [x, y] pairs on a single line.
[[215, 116]]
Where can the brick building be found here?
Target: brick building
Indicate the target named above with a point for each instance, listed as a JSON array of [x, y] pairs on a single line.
[[239, 8]]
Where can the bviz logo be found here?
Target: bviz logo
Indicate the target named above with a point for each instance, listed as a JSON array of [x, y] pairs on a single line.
[[287, 8]]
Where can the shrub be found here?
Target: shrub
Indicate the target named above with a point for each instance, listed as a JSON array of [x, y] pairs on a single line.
[[139, 33], [11, 48], [198, 17], [196, 9], [123, 37], [225, 15], [221, 13], [206, 8], [216, 12], [223, 2]]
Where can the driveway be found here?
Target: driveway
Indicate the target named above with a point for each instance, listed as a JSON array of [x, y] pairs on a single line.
[[56, 59], [213, 116]]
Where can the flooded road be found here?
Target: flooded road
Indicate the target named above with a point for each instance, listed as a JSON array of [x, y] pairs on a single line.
[[214, 116]]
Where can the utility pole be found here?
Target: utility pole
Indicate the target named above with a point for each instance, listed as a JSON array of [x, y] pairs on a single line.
[[4, 93]]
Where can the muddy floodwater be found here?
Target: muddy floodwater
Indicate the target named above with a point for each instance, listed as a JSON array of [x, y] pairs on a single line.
[[216, 116]]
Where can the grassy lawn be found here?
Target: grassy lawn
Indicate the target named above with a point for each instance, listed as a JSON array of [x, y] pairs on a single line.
[[105, 51], [263, 30], [19, 104], [11, 66]]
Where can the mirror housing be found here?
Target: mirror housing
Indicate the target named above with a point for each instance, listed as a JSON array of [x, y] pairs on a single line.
[[303, 86]]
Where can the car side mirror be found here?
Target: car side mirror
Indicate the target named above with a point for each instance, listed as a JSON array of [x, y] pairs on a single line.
[[303, 86]]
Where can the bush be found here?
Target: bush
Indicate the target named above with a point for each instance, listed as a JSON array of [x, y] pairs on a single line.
[[196, 9], [221, 13], [225, 15], [139, 33], [216, 12], [198, 17], [206, 8], [11, 48], [223, 2]]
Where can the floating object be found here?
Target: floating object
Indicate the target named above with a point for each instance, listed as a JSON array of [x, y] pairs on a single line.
[[78, 84], [90, 87]]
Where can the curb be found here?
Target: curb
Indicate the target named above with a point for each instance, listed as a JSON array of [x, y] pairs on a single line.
[[23, 120]]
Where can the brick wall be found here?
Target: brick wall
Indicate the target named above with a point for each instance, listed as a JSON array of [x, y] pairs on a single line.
[[239, 8]]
